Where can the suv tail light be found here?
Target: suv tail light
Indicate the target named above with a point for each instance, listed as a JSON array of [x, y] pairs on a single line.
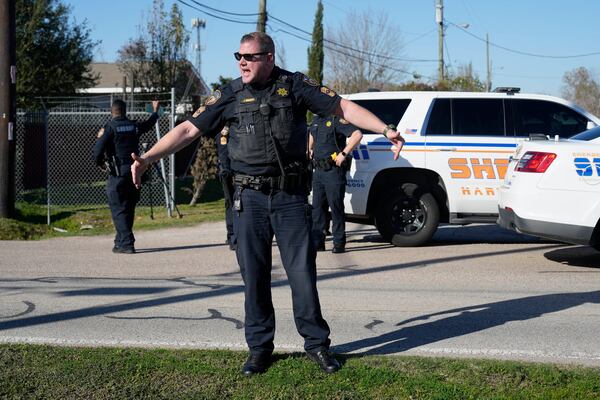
[[535, 161]]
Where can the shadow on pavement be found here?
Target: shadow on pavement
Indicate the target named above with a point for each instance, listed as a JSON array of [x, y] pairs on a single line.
[[576, 256], [218, 290], [465, 321], [176, 248]]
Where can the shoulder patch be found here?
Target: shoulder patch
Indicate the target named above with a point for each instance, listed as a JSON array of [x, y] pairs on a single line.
[[343, 121], [327, 91], [310, 81], [199, 111], [213, 98], [100, 133]]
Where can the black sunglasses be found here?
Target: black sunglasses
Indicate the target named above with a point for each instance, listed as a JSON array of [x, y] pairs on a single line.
[[248, 57]]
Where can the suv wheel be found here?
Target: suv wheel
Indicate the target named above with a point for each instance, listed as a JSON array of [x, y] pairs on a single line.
[[408, 217]]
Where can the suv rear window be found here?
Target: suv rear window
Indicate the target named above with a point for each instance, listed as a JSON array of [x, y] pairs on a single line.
[[389, 111], [539, 116]]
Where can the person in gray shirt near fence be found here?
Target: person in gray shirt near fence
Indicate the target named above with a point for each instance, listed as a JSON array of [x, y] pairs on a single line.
[[112, 152]]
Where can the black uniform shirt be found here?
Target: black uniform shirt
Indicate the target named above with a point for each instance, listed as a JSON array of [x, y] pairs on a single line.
[[329, 135], [221, 106], [120, 138]]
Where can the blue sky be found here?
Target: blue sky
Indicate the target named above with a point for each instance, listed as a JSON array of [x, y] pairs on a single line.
[[556, 29]]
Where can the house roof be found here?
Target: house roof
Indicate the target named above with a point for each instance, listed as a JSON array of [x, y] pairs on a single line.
[[111, 80]]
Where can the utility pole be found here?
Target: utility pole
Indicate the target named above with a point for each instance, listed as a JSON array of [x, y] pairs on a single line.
[[8, 82], [488, 82], [261, 25], [198, 23], [439, 19]]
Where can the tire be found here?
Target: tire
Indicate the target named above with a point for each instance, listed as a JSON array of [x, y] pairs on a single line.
[[408, 217]]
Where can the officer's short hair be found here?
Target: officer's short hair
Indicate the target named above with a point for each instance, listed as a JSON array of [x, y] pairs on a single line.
[[264, 40], [119, 107]]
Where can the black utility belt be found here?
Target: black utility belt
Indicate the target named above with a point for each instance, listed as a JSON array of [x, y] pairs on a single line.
[[257, 182], [324, 164]]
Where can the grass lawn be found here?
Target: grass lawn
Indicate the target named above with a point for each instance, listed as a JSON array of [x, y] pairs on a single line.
[[81, 220], [45, 372]]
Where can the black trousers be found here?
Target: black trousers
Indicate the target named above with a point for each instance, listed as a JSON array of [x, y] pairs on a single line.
[[122, 199], [329, 189], [227, 183], [287, 217]]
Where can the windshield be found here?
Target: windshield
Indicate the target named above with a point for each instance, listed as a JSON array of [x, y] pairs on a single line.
[[590, 134]]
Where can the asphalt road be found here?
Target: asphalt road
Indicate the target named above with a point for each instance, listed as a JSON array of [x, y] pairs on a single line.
[[475, 291]]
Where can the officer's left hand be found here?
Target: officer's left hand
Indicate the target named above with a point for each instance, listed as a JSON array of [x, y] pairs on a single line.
[[395, 137], [339, 159]]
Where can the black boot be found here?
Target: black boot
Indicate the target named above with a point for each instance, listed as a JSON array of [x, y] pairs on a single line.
[[257, 363], [325, 360]]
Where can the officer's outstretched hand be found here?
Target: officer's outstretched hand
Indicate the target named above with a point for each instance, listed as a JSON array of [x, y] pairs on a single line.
[[395, 137], [139, 166]]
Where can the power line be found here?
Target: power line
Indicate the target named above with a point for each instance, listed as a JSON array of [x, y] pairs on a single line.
[[368, 53], [280, 21], [216, 16], [524, 53], [356, 57], [224, 12]]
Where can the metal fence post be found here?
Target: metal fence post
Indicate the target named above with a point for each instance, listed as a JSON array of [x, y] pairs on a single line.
[[172, 157], [47, 145]]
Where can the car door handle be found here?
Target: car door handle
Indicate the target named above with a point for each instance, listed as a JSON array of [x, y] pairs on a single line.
[[448, 149]]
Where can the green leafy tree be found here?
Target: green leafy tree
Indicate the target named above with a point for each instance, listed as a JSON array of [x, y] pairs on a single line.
[[581, 88], [222, 81], [465, 80], [316, 56], [156, 59], [53, 53]]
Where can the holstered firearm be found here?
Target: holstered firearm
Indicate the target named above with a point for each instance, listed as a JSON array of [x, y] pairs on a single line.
[[226, 179], [112, 166]]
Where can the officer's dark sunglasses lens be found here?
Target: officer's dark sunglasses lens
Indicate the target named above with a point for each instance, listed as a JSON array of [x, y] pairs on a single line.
[[248, 57]]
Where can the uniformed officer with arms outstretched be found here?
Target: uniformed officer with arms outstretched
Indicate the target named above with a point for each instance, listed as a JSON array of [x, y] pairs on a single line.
[[117, 140], [266, 108], [331, 157]]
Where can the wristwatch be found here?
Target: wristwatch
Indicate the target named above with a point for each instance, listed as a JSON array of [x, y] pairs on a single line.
[[343, 153], [387, 128]]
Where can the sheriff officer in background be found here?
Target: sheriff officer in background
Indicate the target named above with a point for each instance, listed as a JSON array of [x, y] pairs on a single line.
[[331, 159], [112, 151]]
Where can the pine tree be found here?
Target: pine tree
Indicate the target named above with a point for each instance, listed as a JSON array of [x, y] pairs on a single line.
[[315, 52]]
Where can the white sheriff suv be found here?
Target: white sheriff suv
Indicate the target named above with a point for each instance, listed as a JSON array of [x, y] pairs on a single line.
[[552, 190], [456, 154]]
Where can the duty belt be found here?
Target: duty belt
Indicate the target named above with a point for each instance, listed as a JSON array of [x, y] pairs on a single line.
[[257, 182], [325, 163]]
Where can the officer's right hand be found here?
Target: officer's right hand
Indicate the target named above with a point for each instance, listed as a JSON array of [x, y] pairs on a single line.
[[139, 166]]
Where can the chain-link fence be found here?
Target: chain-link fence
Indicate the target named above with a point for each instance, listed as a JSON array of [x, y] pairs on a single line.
[[54, 163]]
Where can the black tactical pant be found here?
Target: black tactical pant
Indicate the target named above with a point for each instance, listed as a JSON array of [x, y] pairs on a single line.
[[329, 188], [227, 184], [122, 199], [265, 214]]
